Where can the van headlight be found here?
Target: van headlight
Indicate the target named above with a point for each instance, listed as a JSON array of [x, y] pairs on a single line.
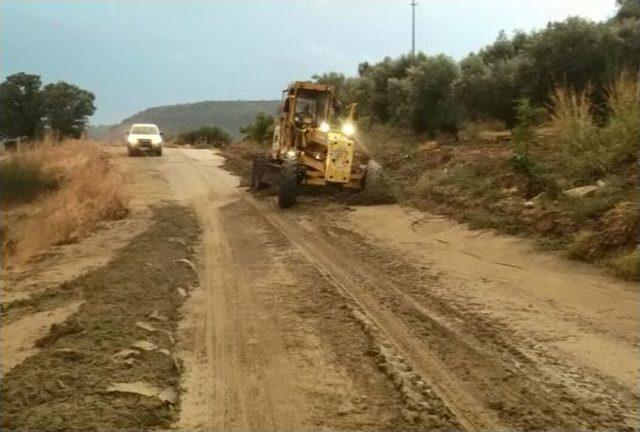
[[348, 129], [324, 127]]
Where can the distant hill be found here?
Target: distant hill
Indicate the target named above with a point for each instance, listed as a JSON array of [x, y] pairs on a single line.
[[230, 116]]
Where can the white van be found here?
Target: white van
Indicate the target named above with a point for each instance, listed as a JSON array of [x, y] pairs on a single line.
[[144, 137]]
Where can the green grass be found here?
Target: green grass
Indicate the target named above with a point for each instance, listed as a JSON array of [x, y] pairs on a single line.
[[22, 180], [483, 219], [582, 209], [472, 181]]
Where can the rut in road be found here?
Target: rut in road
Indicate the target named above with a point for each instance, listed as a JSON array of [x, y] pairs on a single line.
[[479, 368], [274, 346]]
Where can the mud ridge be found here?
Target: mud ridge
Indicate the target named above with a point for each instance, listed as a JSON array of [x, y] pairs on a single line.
[[422, 403]]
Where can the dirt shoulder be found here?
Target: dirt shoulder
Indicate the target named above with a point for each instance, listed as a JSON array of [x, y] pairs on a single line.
[[123, 333], [474, 182]]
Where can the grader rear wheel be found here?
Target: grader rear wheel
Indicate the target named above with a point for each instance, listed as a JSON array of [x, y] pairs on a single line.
[[288, 187]]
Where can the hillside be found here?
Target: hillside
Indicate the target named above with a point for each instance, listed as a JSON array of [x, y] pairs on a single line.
[[230, 116]]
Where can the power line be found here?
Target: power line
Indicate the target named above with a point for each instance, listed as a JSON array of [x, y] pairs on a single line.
[[413, 5]]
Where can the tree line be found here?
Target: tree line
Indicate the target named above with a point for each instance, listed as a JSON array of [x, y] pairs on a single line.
[[432, 94], [27, 109]]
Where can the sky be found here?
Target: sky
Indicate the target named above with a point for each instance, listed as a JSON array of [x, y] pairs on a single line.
[[134, 54]]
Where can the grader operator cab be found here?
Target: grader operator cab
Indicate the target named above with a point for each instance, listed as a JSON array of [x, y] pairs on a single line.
[[310, 145]]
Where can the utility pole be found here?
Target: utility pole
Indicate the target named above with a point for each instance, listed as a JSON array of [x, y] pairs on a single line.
[[413, 4]]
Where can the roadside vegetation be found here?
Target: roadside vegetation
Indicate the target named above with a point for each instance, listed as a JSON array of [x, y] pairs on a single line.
[[23, 180], [205, 137], [563, 175], [435, 94], [55, 193], [28, 110], [260, 130]]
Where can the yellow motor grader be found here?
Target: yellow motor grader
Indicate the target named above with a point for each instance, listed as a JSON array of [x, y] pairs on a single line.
[[310, 145]]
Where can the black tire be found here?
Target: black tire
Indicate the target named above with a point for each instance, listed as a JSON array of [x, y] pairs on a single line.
[[258, 171], [289, 184], [130, 152], [159, 151]]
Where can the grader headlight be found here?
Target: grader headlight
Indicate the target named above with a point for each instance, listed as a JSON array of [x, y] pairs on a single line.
[[348, 129], [291, 154]]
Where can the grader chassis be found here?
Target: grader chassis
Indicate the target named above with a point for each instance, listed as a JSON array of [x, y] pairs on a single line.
[[310, 146]]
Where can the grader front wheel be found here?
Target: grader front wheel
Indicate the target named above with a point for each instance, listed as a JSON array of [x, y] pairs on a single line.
[[289, 185]]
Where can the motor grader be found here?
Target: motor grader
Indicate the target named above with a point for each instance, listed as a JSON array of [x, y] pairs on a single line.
[[310, 146]]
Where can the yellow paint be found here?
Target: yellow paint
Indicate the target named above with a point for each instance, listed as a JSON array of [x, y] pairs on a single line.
[[339, 158]]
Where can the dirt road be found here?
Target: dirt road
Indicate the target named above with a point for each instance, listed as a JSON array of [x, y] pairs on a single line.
[[386, 318]]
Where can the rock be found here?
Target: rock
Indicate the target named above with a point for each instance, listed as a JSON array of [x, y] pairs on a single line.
[[124, 354], [345, 408], [538, 197], [166, 395], [529, 204], [145, 326], [600, 183], [171, 339], [145, 345], [582, 191], [182, 292], [158, 316], [69, 354], [58, 331], [188, 263], [177, 240], [410, 415], [430, 145]]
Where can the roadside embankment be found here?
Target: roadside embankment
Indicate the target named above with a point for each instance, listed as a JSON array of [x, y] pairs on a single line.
[[55, 193]]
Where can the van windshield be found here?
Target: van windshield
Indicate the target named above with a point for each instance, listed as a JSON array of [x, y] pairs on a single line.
[[144, 130]]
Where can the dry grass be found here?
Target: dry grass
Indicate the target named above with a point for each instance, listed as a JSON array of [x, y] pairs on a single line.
[[588, 150], [89, 190], [626, 265]]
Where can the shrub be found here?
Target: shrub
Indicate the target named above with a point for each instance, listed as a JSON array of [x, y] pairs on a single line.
[[205, 137], [577, 134], [626, 265], [588, 150], [523, 142], [622, 133], [261, 130], [22, 180]]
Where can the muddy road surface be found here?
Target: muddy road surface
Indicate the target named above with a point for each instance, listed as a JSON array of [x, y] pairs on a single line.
[[336, 317]]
